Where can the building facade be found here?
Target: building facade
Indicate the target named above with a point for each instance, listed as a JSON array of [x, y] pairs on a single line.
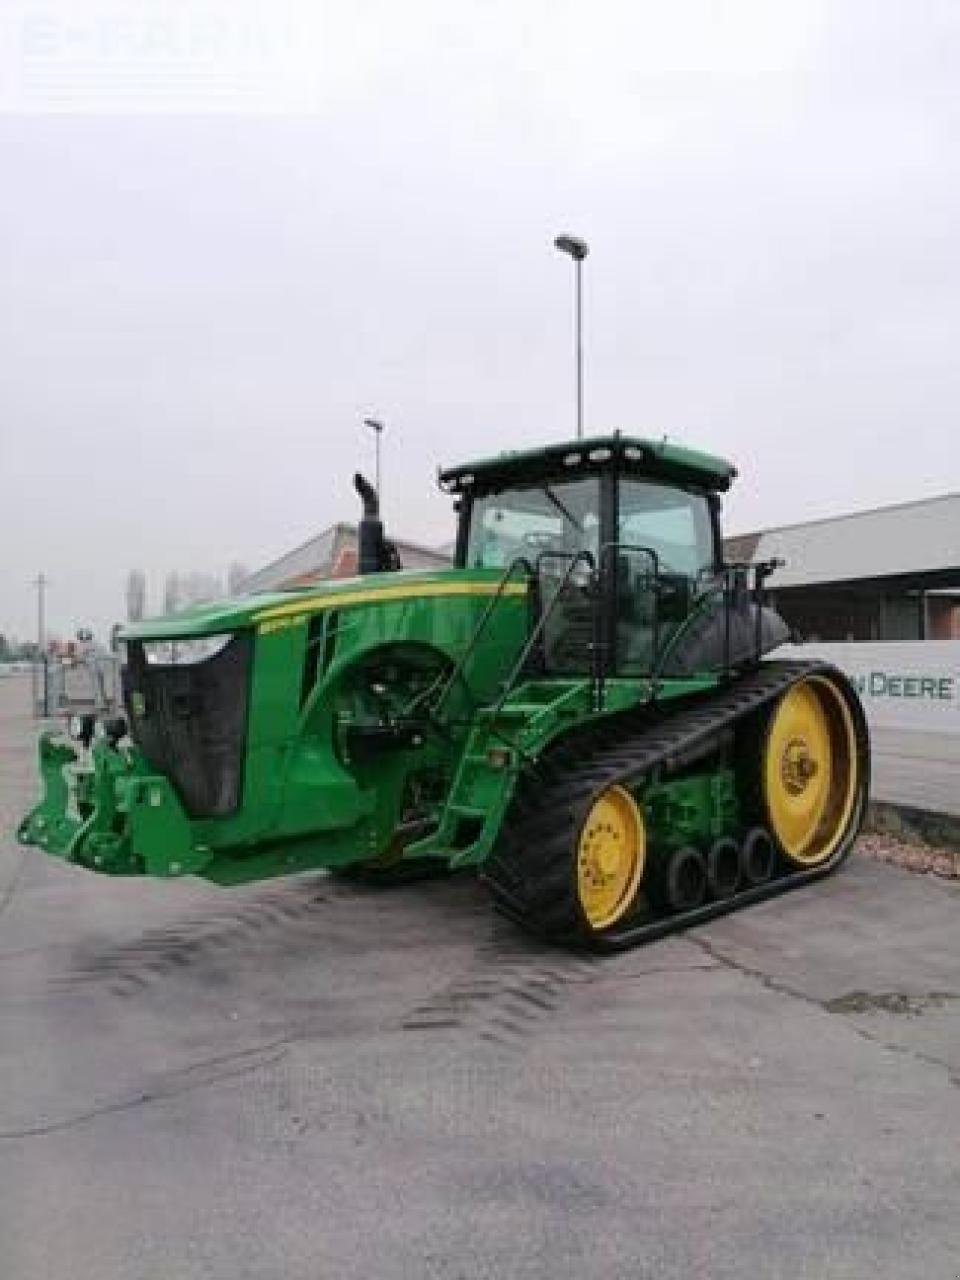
[[332, 554], [891, 573]]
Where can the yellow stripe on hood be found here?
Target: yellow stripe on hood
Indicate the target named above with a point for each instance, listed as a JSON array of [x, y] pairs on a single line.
[[388, 595]]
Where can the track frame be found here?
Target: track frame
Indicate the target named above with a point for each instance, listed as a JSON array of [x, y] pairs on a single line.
[[676, 737]]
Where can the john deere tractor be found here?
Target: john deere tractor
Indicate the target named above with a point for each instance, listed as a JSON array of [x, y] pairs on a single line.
[[580, 708]]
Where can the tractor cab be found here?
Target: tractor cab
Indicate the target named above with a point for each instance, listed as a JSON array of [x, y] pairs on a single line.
[[620, 535]]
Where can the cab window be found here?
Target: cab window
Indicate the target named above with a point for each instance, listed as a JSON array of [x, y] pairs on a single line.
[[549, 519], [668, 531], [673, 523]]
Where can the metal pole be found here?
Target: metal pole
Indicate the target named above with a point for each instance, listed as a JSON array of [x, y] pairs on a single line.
[[376, 426], [40, 582], [579, 262], [577, 249]]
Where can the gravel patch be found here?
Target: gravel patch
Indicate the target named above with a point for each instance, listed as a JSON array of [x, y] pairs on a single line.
[[912, 856]]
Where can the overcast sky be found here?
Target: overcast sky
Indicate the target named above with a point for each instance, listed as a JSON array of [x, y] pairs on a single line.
[[220, 247]]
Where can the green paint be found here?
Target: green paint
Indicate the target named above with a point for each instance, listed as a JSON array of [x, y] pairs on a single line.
[[636, 453], [695, 809]]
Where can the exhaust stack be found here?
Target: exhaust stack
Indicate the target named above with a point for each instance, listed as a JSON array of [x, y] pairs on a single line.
[[374, 553]]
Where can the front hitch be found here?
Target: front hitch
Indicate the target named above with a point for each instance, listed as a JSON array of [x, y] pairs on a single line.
[[104, 810], [50, 824]]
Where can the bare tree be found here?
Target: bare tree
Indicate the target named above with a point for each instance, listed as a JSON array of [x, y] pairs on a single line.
[[171, 592], [236, 575], [197, 587], [136, 595]]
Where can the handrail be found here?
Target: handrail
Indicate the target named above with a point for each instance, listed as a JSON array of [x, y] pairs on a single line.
[[460, 665], [634, 547], [575, 559], [732, 587], [762, 570], [736, 587]]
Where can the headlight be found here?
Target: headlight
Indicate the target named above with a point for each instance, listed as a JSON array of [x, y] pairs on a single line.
[[184, 653]]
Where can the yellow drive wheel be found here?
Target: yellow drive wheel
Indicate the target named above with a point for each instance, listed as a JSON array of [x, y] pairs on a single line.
[[810, 770], [610, 857]]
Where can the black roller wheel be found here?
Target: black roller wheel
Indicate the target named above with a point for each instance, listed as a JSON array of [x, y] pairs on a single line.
[[686, 879], [758, 857], [723, 868]]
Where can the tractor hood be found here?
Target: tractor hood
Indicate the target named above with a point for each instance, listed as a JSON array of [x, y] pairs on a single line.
[[370, 589]]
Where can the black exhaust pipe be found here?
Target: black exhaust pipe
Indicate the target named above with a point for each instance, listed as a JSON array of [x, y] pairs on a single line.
[[370, 529], [374, 553]]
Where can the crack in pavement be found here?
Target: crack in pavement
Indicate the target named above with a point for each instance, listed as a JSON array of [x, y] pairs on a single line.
[[6, 898], [174, 1086], [246, 1061], [779, 987], [672, 969]]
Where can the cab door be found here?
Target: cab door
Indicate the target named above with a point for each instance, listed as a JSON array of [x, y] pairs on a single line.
[[665, 554], [554, 525]]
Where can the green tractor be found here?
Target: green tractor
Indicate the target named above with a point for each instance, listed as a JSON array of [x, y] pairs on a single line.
[[579, 708]]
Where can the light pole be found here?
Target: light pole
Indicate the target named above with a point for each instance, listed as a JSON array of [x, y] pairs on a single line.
[[578, 250], [38, 669], [40, 582], [376, 426]]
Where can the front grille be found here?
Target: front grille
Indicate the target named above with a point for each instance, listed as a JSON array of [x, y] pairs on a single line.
[[190, 722]]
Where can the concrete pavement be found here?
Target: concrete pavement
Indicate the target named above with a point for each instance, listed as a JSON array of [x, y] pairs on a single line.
[[303, 1080]]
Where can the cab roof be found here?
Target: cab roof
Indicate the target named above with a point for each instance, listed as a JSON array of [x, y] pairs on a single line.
[[657, 459]]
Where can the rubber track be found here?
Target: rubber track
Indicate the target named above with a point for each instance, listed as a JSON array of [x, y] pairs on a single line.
[[529, 872]]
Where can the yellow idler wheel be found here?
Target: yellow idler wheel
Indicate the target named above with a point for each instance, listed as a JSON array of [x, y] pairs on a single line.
[[611, 853], [810, 771]]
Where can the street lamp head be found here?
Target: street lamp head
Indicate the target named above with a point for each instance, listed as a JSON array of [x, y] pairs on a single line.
[[577, 248], [374, 424]]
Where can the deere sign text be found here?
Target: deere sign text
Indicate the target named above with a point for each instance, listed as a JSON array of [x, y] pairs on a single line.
[[887, 684], [912, 685]]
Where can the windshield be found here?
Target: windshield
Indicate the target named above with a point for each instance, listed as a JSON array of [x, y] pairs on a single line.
[[559, 518]]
